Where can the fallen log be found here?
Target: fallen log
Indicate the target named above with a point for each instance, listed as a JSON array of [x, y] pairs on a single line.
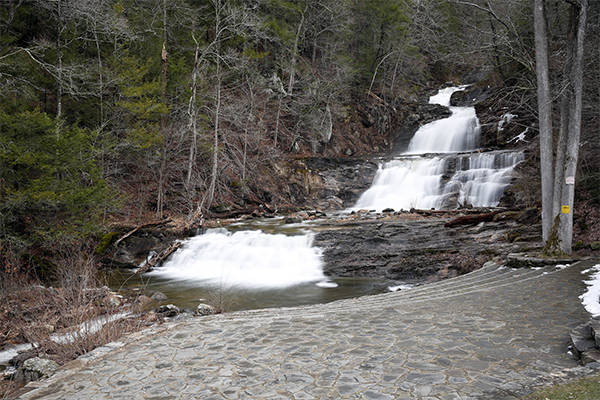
[[255, 211], [149, 224], [472, 219], [160, 257]]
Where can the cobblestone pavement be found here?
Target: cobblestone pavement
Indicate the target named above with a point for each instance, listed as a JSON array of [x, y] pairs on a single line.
[[489, 334]]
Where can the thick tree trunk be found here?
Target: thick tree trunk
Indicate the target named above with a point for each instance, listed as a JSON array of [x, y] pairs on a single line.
[[545, 115], [559, 238], [574, 127]]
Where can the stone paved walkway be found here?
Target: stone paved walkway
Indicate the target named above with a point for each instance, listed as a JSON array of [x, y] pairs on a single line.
[[489, 334]]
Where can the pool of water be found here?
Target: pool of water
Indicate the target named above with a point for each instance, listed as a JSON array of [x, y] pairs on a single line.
[[250, 264], [188, 294]]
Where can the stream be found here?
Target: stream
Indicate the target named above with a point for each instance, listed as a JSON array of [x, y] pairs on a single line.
[[268, 263], [250, 265]]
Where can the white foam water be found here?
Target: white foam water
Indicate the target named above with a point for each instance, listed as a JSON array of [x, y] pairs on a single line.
[[482, 179], [403, 184], [414, 180], [457, 133], [246, 259]]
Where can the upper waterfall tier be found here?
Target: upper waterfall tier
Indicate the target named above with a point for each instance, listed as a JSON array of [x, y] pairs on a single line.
[[457, 133], [420, 179]]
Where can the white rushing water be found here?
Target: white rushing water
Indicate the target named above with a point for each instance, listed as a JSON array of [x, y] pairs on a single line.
[[459, 132], [481, 179], [415, 180], [404, 184], [247, 259]]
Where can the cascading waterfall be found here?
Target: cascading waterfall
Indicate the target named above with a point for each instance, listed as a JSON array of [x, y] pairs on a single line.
[[255, 260], [412, 181], [457, 133], [405, 183], [246, 259], [480, 180]]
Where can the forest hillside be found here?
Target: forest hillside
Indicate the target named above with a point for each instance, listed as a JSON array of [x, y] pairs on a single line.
[[133, 111]]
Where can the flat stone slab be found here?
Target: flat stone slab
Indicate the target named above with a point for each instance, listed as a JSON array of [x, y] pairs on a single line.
[[495, 332]]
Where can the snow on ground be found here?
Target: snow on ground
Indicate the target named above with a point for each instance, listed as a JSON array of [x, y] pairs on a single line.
[[591, 298]]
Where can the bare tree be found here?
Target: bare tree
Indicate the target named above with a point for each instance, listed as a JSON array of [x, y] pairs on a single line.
[[558, 174]]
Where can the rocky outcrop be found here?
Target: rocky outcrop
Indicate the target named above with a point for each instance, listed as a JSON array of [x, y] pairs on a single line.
[[29, 367], [328, 183], [414, 247], [585, 342]]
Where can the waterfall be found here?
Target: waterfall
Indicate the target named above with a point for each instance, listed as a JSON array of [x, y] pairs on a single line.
[[480, 179], [416, 180], [457, 133], [248, 259], [405, 184]]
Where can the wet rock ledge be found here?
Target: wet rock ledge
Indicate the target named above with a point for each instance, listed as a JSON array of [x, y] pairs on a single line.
[[417, 247]]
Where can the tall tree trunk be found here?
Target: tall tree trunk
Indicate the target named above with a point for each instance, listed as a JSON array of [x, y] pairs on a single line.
[[545, 115], [294, 54], [215, 160], [100, 80], [574, 127], [192, 123], [59, 92], [560, 237]]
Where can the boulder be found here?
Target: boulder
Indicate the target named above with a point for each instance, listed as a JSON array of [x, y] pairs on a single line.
[[34, 369], [585, 342], [168, 311], [581, 344], [159, 296], [592, 356], [144, 302], [205, 309]]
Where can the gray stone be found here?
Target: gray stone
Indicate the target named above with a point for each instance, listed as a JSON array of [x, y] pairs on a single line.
[[38, 368], [425, 379], [205, 309], [321, 350], [159, 296], [590, 356], [581, 344], [168, 310]]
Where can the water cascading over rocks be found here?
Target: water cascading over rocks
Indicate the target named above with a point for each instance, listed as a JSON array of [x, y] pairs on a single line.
[[435, 172]]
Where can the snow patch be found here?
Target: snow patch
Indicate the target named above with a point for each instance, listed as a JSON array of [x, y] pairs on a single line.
[[398, 287], [591, 298], [505, 120]]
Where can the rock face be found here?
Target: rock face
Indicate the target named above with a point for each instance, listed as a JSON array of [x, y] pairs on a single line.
[[411, 247], [329, 184]]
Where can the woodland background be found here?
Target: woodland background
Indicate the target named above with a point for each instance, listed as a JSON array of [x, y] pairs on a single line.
[[130, 111]]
